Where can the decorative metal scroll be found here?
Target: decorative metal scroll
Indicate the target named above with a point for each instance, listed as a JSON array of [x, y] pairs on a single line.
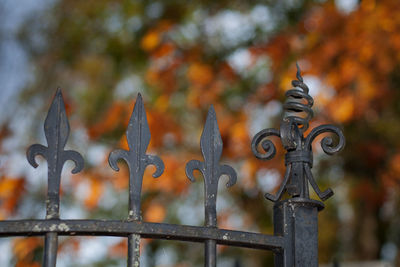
[[56, 129], [299, 158]]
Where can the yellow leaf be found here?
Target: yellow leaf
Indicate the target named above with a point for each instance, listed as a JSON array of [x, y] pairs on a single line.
[[343, 108], [150, 41]]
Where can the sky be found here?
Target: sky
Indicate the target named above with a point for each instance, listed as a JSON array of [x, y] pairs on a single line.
[[15, 69]]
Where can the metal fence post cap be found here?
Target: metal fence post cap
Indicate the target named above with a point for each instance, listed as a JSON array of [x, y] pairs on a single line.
[[301, 202]]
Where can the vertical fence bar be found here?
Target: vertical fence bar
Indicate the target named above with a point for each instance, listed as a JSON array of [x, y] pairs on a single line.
[[210, 213], [210, 254], [138, 137], [50, 249], [211, 148], [134, 250], [56, 128]]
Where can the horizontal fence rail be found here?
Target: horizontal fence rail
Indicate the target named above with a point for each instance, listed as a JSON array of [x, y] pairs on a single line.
[[295, 238], [144, 229]]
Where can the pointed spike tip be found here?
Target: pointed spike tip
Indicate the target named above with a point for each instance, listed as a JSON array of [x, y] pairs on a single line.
[[298, 74], [139, 101], [211, 123], [212, 108], [58, 91], [59, 97], [211, 117], [211, 112]]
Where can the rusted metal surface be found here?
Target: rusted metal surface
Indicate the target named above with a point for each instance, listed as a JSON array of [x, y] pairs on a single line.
[[295, 238]]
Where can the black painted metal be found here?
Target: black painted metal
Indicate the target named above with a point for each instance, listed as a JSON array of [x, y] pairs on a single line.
[[138, 136], [144, 229], [296, 218], [56, 129], [295, 239], [211, 148], [299, 158]]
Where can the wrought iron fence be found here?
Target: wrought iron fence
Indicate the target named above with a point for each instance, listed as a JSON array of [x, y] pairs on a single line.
[[295, 238]]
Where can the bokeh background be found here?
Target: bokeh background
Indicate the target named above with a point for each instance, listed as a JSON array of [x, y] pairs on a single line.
[[182, 57]]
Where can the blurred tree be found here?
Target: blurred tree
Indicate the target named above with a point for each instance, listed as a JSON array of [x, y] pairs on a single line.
[[240, 57]]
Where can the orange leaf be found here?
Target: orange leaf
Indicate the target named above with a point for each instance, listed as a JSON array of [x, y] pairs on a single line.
[[155, 213], [120, 249], [23, 248], [96, 191], [11, 191], [200, 74]]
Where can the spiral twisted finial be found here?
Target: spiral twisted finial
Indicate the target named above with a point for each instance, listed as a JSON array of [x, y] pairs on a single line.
[[298, 106], [298, 158]]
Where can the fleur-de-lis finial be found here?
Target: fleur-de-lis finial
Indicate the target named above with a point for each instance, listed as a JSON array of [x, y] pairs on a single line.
[[56, 129], [211, 148], [138, 136]]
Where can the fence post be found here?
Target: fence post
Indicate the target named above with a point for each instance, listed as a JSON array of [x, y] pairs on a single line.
[[296, 218]]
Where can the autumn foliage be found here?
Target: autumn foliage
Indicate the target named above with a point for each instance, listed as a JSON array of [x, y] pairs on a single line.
[[104, 52]]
